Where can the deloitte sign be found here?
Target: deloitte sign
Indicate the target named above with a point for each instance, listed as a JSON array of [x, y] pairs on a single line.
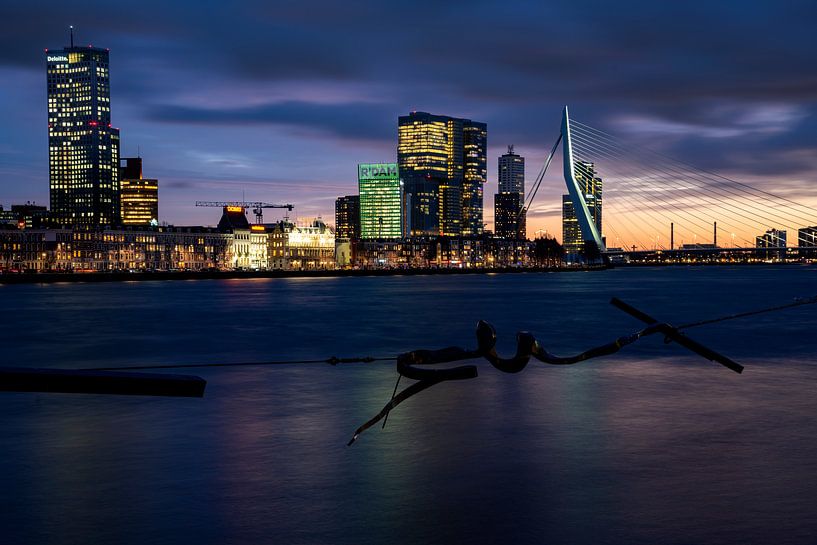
[[377, 171]]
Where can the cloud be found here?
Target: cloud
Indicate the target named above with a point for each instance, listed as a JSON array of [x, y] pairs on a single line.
[[318, 85], [347, 120]]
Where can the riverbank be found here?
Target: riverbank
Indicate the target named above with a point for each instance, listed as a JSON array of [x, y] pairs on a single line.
[[123, 276]]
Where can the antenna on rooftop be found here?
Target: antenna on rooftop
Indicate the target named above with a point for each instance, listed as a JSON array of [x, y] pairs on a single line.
[[71, 27]]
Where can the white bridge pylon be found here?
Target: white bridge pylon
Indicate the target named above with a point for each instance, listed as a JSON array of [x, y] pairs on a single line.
[[586, 224]]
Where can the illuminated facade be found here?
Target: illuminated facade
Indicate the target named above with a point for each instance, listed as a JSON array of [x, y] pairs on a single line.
[[347, 217], [381, 201], [139, 197], [572, 240], [475, 175], [509, 221], [87, 248], [511, 174], [807, 241], [591, 186], [773, 238], [83, 148], [443, 164], [299, 247]]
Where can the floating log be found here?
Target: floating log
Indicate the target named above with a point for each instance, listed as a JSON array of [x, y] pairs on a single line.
[[72, 381]]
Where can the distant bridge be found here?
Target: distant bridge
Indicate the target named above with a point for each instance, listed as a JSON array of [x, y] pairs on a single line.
[[652, 202]]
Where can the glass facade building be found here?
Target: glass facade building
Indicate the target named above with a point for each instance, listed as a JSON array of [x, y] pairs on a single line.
[[381, 201], [347, 217], [591, 186], [475, 175], [511, 174], [509, 221], [443, 164], [83, 148]]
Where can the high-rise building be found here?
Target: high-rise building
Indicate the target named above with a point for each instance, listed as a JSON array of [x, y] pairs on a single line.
[[509, 219], [572, 240], [807, 241], [773, 238], [512, 174], [443, 164], [139, 197], [591, 186], [347, 217], [475, 175], [83, 148], [381, 201]]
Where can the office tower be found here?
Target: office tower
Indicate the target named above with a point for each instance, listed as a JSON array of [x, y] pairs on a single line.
[[807, 241], [475, 175], [443, 164], [509, 220], [347, 217], [511, 180], [381, 201], [512, 174], [773, 238], [139, 197], [83, 148], [591, 186], [572, 240]]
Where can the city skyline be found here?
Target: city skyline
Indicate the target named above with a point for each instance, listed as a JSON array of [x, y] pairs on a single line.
[[212, 126]]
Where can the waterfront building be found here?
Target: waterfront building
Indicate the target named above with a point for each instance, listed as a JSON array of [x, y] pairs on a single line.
[[511, 174], [807, 242], [509, 221], [301, 247], [259, 248], [443, 164], [592, 187], [7, 217], [475, 175], [773, 238], [90, 248], [25, 216], [381, 201], [139, 197], [83, 147], [572, 240], [347, 217], [421, 252]]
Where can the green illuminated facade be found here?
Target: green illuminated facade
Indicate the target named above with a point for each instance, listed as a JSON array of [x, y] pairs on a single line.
[[381, 201]]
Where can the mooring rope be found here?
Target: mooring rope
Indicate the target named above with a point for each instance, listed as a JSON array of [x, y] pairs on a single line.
[[799, 301]]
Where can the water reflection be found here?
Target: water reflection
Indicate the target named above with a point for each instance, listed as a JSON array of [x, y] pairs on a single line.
[[648, 446]]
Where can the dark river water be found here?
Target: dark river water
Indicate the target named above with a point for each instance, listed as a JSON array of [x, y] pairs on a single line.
[[651, 445]]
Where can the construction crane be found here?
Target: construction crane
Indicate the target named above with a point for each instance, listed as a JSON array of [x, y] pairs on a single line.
[[257, 207]]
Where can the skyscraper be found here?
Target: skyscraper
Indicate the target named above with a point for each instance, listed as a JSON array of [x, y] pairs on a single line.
[[347, 217], [509, 218], [443, 164], [381, 201], [83, 148], [139, 197], [512, 174], [591, 186], [475, 174]]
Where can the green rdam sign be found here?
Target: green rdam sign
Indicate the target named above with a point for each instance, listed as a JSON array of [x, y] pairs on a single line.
[[377, 171]]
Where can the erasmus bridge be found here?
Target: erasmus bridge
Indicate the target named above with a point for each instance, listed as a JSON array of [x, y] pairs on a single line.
[[653, 202]]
